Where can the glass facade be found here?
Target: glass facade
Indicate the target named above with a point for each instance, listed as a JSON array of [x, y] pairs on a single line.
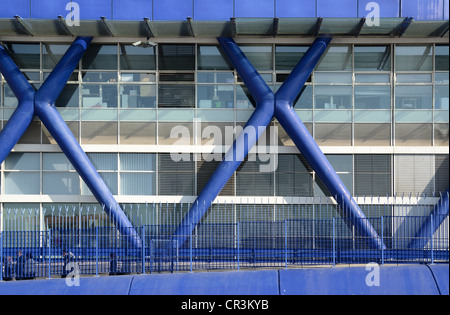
[[129, 105]]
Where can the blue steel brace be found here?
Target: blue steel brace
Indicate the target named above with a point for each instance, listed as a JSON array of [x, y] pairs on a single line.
[[431, 225], [42, 104], [279, 105]]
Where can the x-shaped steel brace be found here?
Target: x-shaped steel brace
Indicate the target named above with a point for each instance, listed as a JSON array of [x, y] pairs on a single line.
[[280, 106], [41, 103]]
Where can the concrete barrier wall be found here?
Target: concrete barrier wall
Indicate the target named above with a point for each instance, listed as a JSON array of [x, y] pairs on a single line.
[[393, 280]]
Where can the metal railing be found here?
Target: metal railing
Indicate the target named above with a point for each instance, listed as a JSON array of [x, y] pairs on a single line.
[[58, 252]]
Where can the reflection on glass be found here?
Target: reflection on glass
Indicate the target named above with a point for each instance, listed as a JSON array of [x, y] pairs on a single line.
[[413, 97], [100, 57], [215, 96], [337, 58], [137, 58], [333, 97], [442, 58], [137, 77], [372, 97], [176, 57], [138, 96], [259, 56], [287, 57], [26, 56], [69, 96], [243, 98], [372, 58], [52, 54], [215, 77], [414, 58], [211, 58], [99, 95], [99, 76], [441, 97]]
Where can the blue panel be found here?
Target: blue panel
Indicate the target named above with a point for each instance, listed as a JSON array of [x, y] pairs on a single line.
[[18, 7], [123, 10], [48, 9], [423, 9], [217, 10], [388, 8], [441, 274], [446, 9], [295, 8], [337, 8], [93, 10], [172, 10], [255, 8]]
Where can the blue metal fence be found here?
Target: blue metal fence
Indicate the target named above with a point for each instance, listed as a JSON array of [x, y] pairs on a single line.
[[232, 246]]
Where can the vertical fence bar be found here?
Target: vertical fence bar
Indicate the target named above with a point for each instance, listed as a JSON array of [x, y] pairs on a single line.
[[238, 251], [431, 237], [382, 240], [334, 242], [96, 251], [50, 253], [190, 247], [1, 257], [143, 248], [285, 245]]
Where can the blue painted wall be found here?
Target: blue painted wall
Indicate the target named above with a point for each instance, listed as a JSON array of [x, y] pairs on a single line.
[[222, 9], [394, 280]]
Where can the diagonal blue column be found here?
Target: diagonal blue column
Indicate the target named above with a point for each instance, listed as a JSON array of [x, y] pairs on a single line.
[[24, 113], [42, 104], [253, 129], [306, 144], [433, 222]]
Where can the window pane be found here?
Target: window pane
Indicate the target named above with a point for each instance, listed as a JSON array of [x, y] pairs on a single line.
[[305, 99], [23, 161], [137, 162], [52, 54], [56, 162], [442, 56], [372, 97], [104, 161], [212, 58], [413, 134], [372, 134], [176, 95], [333, 97], [22, 183], [414, 78], [137, 58], [337, 58], [61, 183], [99, 96], [413, 97], [441, 134], [333, 134], [32, 135], [138, 96], [176, 57], [137, 133], [215, 77], [259, 56], [372, 58], [441, 97], [414, 58], [69, 97], [287, 57], [332, 77], [166, 129], [25, 56], [99, 132], [372, 175], [100, 57], [215, 96], [137, 184]]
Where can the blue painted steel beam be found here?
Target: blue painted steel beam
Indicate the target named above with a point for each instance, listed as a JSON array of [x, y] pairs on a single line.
[[42, 104], [279, 105], [431, 225]]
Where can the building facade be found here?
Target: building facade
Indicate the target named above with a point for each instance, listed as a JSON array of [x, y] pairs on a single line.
[[155, 104]]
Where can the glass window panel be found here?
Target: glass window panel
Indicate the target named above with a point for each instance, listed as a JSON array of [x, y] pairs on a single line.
[[165, 130], [254, 184], [441, 78], [337, 58], [69, 97], [52, 54], [176, 57], [372, 58], [372, 135], [32, 135], [110, 179], [99, 76], [243, 98], [47, 138], [372, 97], [372, 175], [215, 77], [259, 56], [372, 78], [9, 99], [441, 94], [413, 97], [137, 162], [25, 56], [137, 184], [22, 183], [414, 78], [104, 161], [137, 58], [287, 57], [98, 132], [100, 57], [99, 95], [333, 77], [23, 161], [212, 58], [56, 162], [138, 96], [305, 98], [215, 96], [341, 163], [413, 58], [333, 134], [441, 134], [176, 95], [137, 77], [61, 183], [143, 133], [442, 58], [333, 97], [413, 134]]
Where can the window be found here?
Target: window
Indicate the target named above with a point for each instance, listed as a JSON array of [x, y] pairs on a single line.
[[372, 97], [176, 178], [413, 134], [137, 58], [337, 58], [293, 176], [137, 174], [25, 56], [59, 176], [22, 174], [372, 175], [287, 57], [212, 58], [372, 58], [176, 57], [100, 57], [372, 134], [205, 169], [250, 181], [414, 174], [414, 58], [413, 97]]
